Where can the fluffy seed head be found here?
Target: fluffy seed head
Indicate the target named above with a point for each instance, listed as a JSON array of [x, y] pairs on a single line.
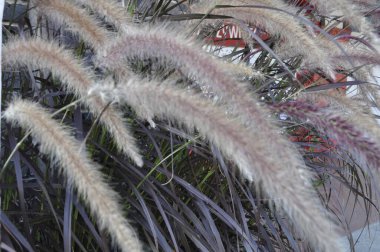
[[253, 157], [57, 142], [275, 23], [78, 20], [109, 9], [349, 135], [76, 78]]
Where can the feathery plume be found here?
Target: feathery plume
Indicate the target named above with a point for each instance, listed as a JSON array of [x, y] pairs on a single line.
[[276, 23], [361, 57], [78, 20], [56, 142], [77, 79], [113, 12], [362, 145], [363, 61], [347, 108], [192, 61], [360, 62], [350, 11], [184, 54], [187, 56], [253, 156]]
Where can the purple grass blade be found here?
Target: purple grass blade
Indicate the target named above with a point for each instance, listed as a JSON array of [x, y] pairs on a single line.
[[288, 234], [361, 40], [78, 123], [5, 239], [225, 170], [164, 216], [41, 183], [215, 233], [20, 184], [67, 218], [89, 224], [152, 227], [215, 208], [12, 229], [193, 229], [335, 85], [265, 47], [148, 215], [76, 239]]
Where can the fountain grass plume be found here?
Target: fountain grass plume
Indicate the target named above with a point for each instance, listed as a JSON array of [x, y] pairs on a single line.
[[210, 72], [77, 79], [65, 151], [185, 54], [112, 11], [275, 23], [363, 145], [77, 19], [349, 109], [290, 188], [351, 12]]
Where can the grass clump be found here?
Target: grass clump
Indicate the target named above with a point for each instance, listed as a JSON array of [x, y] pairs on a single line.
[[193, 120]]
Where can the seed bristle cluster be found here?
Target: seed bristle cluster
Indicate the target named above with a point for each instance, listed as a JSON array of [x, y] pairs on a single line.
[[253, 158], [77, 19], [58, 143], [77, 79]]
